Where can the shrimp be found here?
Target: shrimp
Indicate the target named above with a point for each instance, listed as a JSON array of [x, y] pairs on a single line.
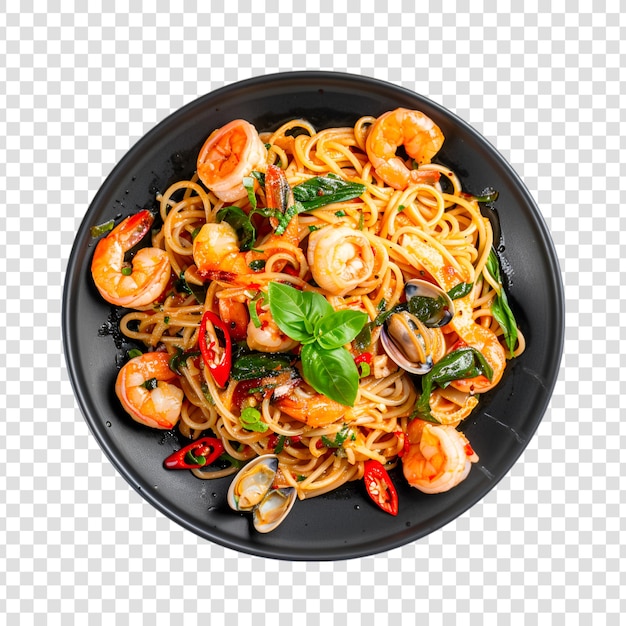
[[138, 283], [470, 333], [312, 408], [419, 135], [340, 258], [145, 388], [228, 155], [438, 458], [216, 247], [268, 337]]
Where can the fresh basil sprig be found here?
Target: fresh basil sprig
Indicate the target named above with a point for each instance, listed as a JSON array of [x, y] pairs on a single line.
[[309, 318], [466, 362], [500, 307]]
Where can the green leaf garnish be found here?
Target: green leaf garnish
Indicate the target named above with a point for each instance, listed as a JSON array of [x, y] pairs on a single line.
[[309, 318], [250, 419], [460, 290], [466, 362], [100, 229], [260, 365], [241, 224], [331, 372], [500, 307], [323, 190], [340, 437]]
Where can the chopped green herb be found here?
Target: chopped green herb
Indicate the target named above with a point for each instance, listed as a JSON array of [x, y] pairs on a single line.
[[150, 384], [96, 231], [460, 290], [250, 419], [134, 353], [280, 444], [257, 265]]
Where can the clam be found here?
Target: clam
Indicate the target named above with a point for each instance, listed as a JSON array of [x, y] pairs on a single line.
[[253, 490], [440, 315], [414, 342]]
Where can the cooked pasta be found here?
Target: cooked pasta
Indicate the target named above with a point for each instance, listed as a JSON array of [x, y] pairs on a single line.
[[410, 220]]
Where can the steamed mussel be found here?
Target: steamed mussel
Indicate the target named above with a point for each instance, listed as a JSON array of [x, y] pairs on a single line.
[[253, 490], [410, 336]]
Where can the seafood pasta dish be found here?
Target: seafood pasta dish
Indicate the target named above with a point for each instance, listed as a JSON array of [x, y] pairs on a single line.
[[312, 307]]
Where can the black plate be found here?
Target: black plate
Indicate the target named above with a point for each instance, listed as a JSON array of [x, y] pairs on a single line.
[[344, 524]]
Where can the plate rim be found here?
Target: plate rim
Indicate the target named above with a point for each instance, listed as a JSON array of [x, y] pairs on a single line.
[[557, 292]]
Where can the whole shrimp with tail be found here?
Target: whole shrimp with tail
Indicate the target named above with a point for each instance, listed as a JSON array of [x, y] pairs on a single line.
[[138, 282], [420, 137]]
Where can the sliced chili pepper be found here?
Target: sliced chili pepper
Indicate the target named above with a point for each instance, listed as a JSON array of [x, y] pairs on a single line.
[[364, 357], [220, 369], [379, 487], [363, 362], [197, 454]]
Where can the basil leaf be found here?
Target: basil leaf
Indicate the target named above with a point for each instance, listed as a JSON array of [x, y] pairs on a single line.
[[500, 307], [331, 372], [460, 290], [248, 184], [241, 223], [285, 218], [424, 307], [296, 312], [364, 339], [462, 363], [339, 328], [323, 190], [260, 176], [198, 291], [288, 309], [260, 365]]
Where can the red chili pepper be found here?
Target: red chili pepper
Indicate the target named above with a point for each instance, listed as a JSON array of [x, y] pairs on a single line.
[[197, 454], [364, 360], [379, 487], [365, 357], [219, 369]]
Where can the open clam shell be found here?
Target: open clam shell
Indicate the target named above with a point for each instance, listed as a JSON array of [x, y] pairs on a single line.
[[406, 344], [416, 343], [442, 316], [273, 509], [253, 490]]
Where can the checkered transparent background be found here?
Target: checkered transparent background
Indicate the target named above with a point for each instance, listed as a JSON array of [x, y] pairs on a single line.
[[541, 81]]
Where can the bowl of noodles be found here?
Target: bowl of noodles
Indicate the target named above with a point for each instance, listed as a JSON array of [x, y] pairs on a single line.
[[235, 279]]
